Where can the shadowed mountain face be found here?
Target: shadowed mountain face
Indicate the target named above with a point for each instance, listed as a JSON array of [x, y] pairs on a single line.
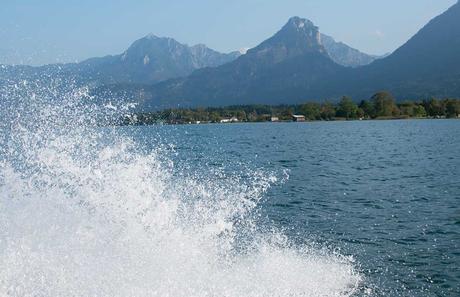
[[427, 65]]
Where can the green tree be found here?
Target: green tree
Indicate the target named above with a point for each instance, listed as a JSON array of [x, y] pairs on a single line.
[[407, 108], [367, 108], [384, 104], [214, 117], [452, 108], [286, 114], [347, 108], [434, 107], [328, 111], [419, 111], [241, 115], [311, 111]]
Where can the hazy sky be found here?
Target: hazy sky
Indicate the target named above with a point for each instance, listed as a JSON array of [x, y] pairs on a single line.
[[48, 31]]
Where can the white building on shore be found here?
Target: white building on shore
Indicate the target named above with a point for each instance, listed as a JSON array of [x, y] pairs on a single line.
[[230, 120]]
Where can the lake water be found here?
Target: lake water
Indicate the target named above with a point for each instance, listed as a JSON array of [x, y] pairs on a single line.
[[386, 192], [318, 209]]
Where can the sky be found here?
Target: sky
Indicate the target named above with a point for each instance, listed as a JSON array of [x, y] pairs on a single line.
[[37, 32]]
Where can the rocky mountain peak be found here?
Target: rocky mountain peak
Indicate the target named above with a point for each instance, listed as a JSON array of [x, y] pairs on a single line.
[[297, 37], [300, 24], [151, 36]]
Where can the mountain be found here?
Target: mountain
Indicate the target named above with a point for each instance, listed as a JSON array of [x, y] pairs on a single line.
[[148, 60], [295, 66], [345, 55], [285, 68], [427, 65], [154, 59]]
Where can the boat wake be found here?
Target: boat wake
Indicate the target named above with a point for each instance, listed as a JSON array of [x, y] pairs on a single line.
[[87, 211]]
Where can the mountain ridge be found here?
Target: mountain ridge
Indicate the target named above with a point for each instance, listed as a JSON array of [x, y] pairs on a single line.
[[346, 55], [292, 56], [299, 69], [148, 60], [294, 65], [153, 59]]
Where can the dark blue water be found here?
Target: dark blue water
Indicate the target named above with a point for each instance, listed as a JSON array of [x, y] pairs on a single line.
[[386, 192]]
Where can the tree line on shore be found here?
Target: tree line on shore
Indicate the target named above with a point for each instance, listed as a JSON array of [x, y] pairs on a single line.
[[380, 106]]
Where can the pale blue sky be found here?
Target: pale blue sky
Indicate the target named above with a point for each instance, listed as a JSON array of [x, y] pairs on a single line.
[[48, 31]]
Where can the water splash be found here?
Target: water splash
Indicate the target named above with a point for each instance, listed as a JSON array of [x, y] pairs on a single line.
[[85, 211]]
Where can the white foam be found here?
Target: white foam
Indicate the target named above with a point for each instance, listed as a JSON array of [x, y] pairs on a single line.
[[85, 212]]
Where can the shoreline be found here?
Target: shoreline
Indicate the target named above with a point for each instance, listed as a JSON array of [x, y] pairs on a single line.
[[286, 122], [382, 106]]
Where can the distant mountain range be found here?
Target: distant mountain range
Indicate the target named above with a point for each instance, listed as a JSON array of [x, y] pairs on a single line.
[[148, 60], [154, 59], [345, 55], [295, 65], [294, 59]]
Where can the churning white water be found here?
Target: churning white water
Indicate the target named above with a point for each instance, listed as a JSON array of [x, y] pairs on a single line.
[[85, 211]]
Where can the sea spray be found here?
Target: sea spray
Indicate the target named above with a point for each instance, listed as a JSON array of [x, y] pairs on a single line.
[[86, 211]]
